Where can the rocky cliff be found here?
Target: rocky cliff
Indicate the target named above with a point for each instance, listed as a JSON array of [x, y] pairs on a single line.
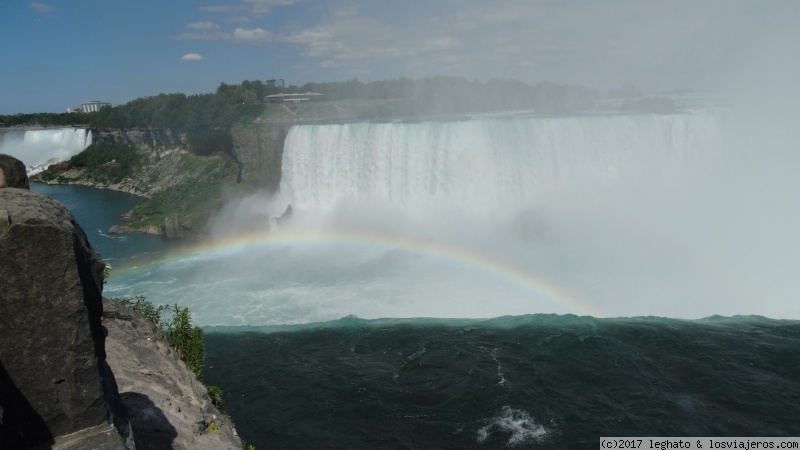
[[161, 156], [181, 188], [258, 149], [55, 379], [167, 406], [13, 172], [61, 347]]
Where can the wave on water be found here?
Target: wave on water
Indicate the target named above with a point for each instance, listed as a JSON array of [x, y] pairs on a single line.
[[514, 423], [111, 236]]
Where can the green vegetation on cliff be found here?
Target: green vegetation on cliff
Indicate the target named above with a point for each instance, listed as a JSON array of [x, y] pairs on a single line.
[[103, 162], [182, 189], [197, 193], [109, 161], [183, 336]]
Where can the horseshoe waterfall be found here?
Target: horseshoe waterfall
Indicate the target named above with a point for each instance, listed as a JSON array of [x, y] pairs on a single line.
[[503, 282]]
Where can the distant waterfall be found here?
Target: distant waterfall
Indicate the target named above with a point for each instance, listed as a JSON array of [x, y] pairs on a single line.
[[481, 163], [41, 148]]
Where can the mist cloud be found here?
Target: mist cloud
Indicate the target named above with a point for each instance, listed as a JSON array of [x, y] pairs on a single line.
[[666, 45]]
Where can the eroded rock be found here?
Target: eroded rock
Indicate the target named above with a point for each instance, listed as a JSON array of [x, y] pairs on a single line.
[[54, 380], [13, 173], [168, 407]]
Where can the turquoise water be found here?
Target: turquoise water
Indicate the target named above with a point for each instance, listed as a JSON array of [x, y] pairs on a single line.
[[538, 381], [99, 209], [525, 381]]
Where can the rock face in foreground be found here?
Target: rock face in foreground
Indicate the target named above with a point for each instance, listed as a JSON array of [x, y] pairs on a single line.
[[14, 172], [168, 407], [57, 391], [54, 380]]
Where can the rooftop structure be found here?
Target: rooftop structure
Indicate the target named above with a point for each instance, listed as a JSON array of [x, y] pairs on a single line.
[[93, 106]]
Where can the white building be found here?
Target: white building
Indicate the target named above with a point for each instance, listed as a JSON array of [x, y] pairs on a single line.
[[94, 106]]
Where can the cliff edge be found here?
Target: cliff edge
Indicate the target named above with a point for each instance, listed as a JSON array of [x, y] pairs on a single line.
[[54, 379], [167, 406], [76, 373]]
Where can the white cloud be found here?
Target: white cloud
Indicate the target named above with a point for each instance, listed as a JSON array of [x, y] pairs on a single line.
[[203, 31], [255, 35], [243, 12], [356, 42], [192, 57], [262, 7], [219, 9], [42, 8], [256, 8], [203, 26]]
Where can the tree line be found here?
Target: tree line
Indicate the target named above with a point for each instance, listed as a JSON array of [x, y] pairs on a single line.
[[454, 95], [230, 104], [207, 118], [240, 103]]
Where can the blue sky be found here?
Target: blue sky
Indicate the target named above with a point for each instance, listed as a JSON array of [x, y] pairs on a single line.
[[56, 54]]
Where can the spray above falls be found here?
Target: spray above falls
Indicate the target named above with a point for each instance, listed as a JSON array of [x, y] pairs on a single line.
[[622, 215], [605, 216]]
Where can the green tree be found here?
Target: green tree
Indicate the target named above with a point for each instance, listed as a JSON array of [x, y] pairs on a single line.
[[186, 339]]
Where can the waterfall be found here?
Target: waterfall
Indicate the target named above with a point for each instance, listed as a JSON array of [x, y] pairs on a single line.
[[480, 164], [682, 215], [41, 148]]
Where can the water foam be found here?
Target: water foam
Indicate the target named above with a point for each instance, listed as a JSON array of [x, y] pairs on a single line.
[[516, 423]]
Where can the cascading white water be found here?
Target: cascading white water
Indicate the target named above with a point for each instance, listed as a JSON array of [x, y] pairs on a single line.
[[41, 148], [669, 215], [482, 164]]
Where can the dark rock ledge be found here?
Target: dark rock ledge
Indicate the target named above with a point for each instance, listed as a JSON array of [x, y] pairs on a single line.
[[63, 384]]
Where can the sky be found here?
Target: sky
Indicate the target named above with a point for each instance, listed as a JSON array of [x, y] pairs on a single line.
[[56, 54]]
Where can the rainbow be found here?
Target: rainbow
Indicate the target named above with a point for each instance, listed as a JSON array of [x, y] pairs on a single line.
[[256, 242]]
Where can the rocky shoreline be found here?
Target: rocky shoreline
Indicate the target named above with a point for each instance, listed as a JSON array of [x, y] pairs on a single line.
[[178, 191], [168, 174]]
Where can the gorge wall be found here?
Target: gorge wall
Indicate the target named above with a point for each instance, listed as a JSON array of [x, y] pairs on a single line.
[[156, 140], [258, 149]]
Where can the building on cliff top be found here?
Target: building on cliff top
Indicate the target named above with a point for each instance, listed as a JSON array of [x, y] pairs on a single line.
[[94, 106]]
